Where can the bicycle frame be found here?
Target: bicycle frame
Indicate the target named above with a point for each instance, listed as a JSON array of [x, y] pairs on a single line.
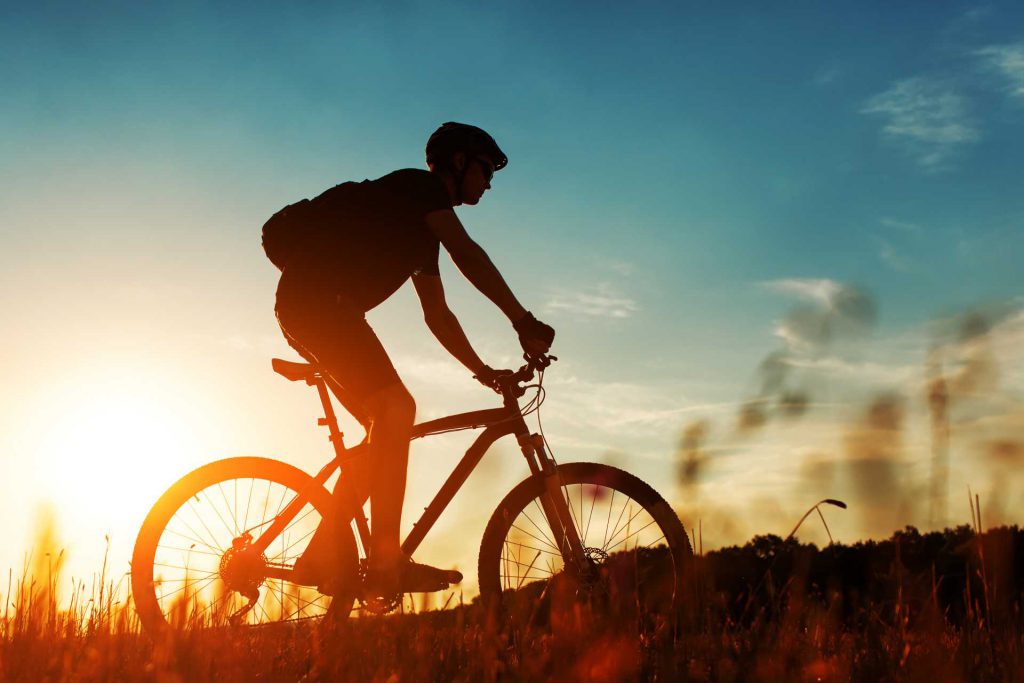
[[497, 422]]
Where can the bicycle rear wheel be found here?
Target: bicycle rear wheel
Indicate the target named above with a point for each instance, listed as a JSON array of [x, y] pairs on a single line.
[[636, 547], [193, 565]]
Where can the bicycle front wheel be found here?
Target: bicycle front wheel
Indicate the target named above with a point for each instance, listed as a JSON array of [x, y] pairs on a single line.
[[635, 546], [195, 566]]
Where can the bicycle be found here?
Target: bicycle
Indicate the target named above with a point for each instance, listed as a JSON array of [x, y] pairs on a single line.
[[209, 554]]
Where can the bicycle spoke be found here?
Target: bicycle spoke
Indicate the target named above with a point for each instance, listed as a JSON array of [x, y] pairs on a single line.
[[523, 531], [203, 575], [298, 599], [248, 502], [527, 578], [619, 519], [213, 506], [572, 512], [528, 570], [233, 530], [530, 547], [646, 545], [190, 551], [201, 520], [625, 527], [282, 553], [611, 504], [590, 518], [524, 564], [542, 529], [281, 505], [295, 523], [194, 540], [206, 583]]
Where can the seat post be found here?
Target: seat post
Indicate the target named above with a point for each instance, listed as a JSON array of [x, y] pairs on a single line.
[[329, 420]]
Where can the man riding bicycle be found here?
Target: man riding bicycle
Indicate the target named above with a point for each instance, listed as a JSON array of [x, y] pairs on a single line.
[[371, 237]]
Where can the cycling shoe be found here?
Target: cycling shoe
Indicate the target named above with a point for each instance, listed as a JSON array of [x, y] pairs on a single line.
[[409, 577]]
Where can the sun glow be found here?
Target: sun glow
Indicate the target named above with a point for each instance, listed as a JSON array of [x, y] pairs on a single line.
[[110, 446]]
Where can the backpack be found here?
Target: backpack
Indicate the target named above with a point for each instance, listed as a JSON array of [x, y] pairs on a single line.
[[288, 229]]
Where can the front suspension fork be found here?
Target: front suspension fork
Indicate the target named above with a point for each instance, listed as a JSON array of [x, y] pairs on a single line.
[[553, 501]]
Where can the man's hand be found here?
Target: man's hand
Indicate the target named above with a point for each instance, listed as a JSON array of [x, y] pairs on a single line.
[[534, 336], [488, 376]]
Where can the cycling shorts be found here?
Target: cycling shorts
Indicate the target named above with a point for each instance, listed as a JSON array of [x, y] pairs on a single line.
[[336, 337]]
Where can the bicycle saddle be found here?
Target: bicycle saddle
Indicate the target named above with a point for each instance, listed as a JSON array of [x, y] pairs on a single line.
[[294, 371]]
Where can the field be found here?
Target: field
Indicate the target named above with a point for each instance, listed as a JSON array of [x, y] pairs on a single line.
[[936, 607]]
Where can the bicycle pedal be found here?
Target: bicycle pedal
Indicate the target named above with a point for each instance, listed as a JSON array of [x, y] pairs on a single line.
[[453, 576], [442, 580]]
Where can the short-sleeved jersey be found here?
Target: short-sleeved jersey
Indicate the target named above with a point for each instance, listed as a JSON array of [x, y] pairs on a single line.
[[374, 236]]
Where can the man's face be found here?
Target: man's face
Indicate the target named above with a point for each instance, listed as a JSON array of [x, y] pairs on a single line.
[[476, 180]]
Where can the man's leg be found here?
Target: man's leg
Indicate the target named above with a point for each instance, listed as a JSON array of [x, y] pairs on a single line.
[[392, 412], [350, 354]]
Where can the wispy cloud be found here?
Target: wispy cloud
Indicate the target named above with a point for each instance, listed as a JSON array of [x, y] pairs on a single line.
[[905, 226], [836, 311], [826, 75], [1008, 61], [930, 117], [860, 372], [821, 290], [601, 301], [625, 408], [891, 257]]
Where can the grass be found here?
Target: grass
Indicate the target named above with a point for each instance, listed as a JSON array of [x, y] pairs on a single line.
[[772, 610]]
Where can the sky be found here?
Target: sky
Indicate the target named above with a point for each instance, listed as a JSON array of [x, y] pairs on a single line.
[[761, 234]]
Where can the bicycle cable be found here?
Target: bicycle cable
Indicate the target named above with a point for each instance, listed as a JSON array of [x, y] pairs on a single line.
[[540, 425], [532, 406]]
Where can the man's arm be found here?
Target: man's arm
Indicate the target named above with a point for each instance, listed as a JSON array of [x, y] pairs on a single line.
[[443, 323], [474, 263]]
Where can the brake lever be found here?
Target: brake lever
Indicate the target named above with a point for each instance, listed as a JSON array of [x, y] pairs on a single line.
[[539, 361]]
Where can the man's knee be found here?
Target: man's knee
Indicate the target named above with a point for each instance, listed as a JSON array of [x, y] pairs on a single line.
[[393, 405]]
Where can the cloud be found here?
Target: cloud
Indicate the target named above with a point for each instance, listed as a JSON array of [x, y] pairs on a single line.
[[597, 302], [1008, 61], [621, 407], [890, 257], [928, 116], [858, 371], [820, 290], [905, 226], [838, 312], [826, 75]]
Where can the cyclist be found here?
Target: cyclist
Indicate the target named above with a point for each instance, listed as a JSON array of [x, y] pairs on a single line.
[[378, 234]]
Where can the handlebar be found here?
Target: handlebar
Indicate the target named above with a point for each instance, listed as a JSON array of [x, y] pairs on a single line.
[[509, 385]]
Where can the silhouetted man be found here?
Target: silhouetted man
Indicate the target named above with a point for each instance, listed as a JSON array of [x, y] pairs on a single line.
[[375, 235]]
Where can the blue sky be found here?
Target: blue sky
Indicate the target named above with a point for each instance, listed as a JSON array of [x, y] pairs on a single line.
[[682, 176]]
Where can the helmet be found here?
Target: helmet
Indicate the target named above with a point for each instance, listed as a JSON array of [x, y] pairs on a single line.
[[454, 137]]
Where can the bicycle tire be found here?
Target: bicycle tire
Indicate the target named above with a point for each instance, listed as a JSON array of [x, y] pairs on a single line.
[[598, 484], [208, 547]]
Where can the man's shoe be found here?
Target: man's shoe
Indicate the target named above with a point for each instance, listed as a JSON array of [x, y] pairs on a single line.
[[409, 577]]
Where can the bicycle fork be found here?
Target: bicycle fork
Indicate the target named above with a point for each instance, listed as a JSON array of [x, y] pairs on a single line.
[[554, 503]]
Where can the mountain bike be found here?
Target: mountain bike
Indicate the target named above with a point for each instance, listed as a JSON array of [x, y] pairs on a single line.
[[219, 548]]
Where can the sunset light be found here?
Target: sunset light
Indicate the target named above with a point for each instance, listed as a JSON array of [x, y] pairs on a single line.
[[111, 440], [512, 341]]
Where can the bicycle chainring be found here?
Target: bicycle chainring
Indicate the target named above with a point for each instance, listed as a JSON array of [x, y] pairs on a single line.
[[378, 605]]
